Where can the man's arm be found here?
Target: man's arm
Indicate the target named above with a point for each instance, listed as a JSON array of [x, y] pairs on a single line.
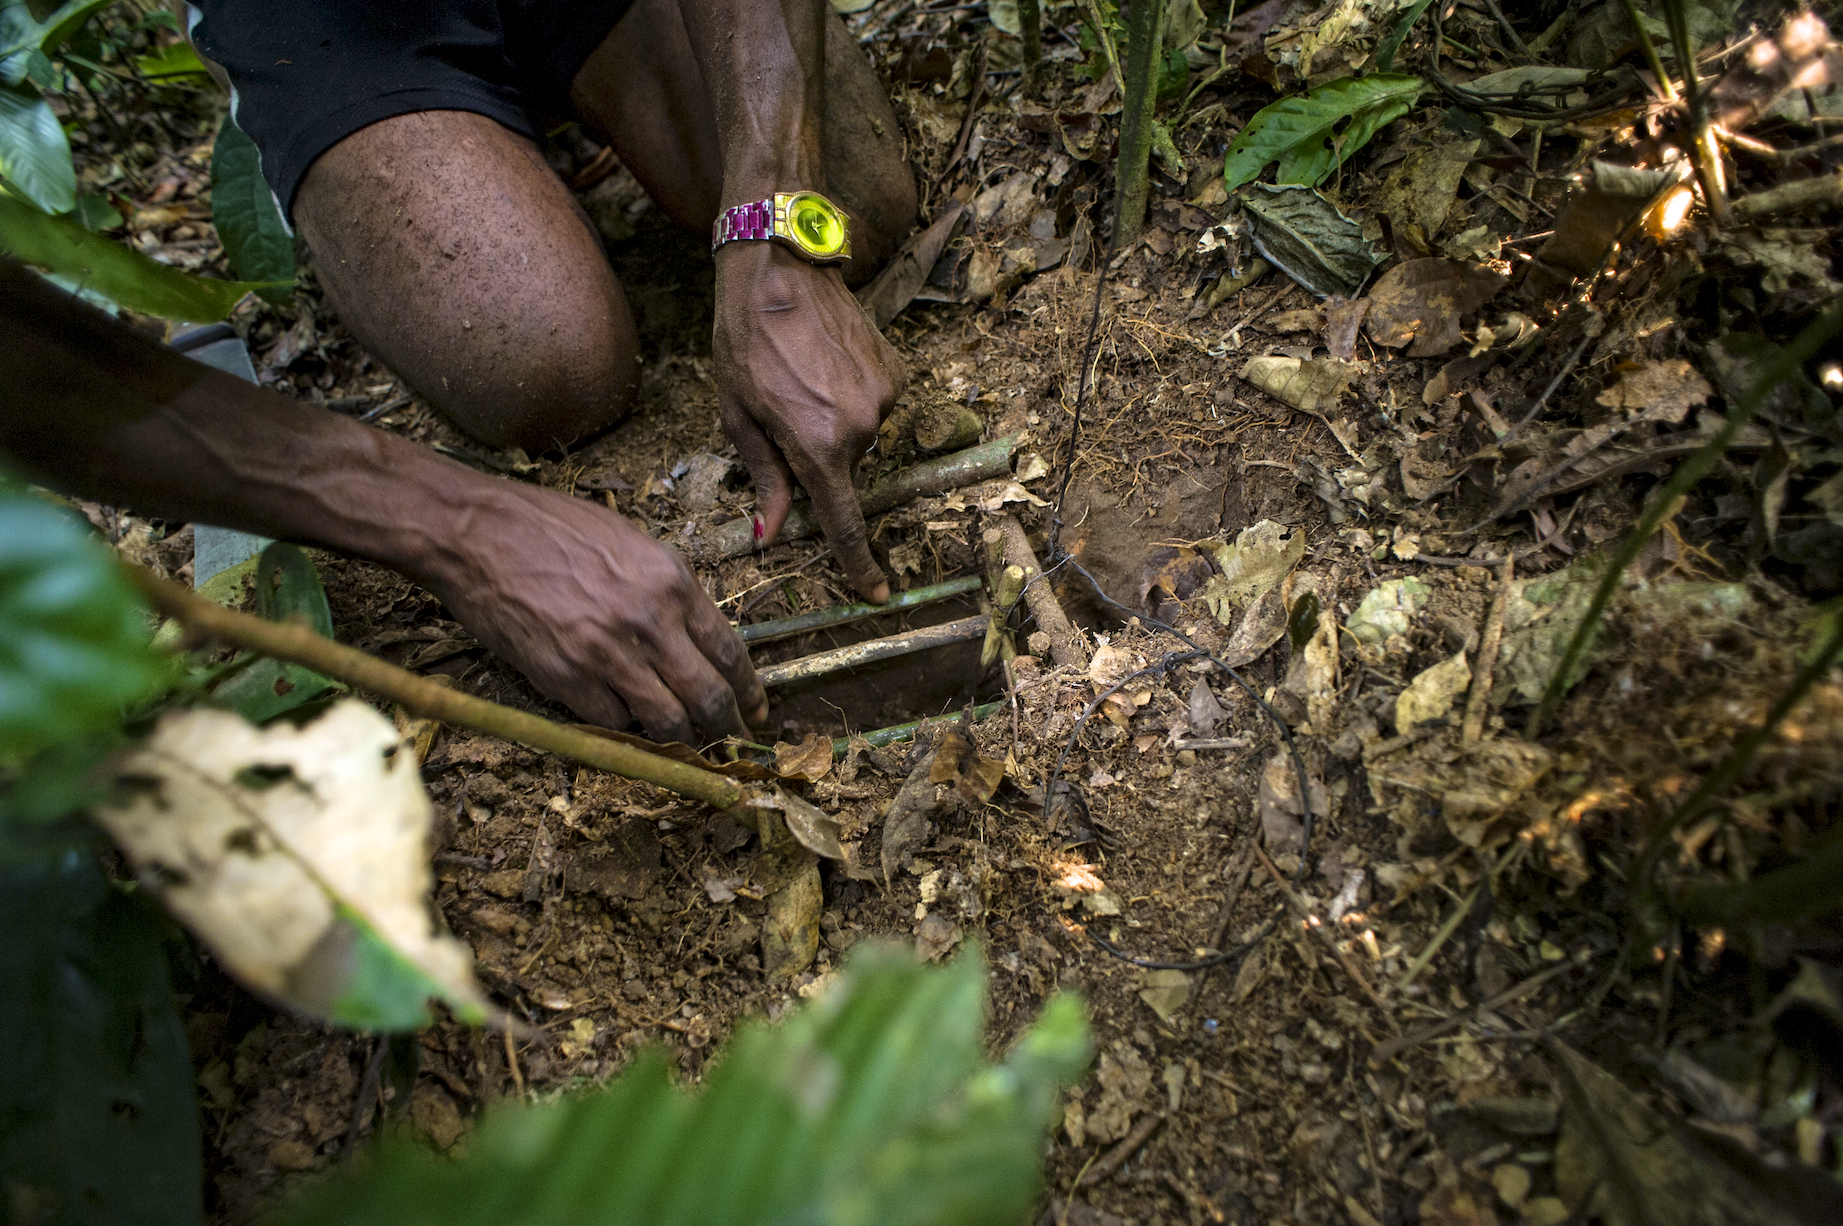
[[802, 373], [597, 614]]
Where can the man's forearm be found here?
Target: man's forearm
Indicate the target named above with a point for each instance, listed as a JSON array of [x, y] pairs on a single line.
[[763, 62], [93, 408]]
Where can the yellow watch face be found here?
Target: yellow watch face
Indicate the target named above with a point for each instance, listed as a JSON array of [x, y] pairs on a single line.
[[815, 224]]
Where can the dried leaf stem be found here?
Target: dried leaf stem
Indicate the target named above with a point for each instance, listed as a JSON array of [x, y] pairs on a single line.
[[299, 645]]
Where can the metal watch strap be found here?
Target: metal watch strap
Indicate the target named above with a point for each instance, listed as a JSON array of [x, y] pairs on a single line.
[[752, 220]]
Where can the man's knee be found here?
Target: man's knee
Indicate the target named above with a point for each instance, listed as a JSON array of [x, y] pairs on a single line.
[[545, 381]]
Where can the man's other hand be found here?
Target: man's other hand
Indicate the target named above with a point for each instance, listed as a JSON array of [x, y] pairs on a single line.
[[597, 614], [804, 379]]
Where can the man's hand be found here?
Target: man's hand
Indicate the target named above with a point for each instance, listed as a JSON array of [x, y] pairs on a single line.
[[597, 614], [804, 378]]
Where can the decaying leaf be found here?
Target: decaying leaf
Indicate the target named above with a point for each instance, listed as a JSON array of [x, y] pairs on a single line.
[[811, 759], [1390, 608], [935, 936], [957, 761], [1658, 391], [1421, 190], [1422, 301], [1306, 237], [1596, 216], [1125, 1081], [1343, 319], [1279, 808], [1432, 693], [908, 825], [1205, 713], [1166, 992], [298, 856], [1314, 385], [1260, 628], [1621, 1162], [1783, 258], [1258, 560]]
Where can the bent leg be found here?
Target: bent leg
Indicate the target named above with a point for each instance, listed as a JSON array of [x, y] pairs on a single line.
[[643, 89], [456, 256]]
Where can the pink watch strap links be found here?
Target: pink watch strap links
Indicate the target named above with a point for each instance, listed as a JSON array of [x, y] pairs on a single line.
[[752, 220]]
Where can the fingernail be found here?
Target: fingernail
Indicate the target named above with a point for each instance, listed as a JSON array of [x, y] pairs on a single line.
[[759, 528]]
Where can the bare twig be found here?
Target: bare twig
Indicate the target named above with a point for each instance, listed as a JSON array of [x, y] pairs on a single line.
[[837, 660], [1388, 1051], [1065, 644], [845, 614], [425, 698], [1478, 702], [1329, 941]]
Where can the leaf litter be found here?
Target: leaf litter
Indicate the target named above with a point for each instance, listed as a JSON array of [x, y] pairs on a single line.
[[1695, 649]]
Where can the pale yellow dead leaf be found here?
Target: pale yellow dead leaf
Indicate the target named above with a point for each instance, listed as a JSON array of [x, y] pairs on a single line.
[[289, 851]]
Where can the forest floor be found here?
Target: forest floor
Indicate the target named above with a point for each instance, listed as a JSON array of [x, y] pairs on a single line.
[[1399, 1055]]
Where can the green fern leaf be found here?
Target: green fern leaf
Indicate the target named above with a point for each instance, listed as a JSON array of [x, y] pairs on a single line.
[[870, 1107]]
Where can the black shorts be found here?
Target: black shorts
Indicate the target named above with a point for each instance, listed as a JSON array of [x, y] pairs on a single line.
[[309, 73]]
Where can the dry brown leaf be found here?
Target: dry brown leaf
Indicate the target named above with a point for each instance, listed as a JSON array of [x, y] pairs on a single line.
[[1419, 303], [1313, 385], [957, 761], [1658, 391], [810, 760]]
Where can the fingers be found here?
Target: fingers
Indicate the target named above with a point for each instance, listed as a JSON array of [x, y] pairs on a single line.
[[774, 480], [724, 648], [835, 505]]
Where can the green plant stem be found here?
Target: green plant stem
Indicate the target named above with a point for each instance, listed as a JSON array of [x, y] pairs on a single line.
[[1728, 771], [839, 615], [1138, 100], [297, 644], [1652, 58], [1663, 504], [904, 732], [1707, 157], [1788, 895], [1030, 23]]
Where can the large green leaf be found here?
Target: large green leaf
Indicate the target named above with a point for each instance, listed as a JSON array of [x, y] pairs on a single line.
[[57, 29], [119, 273], [34, 152], [98, 1122], [869, 1106], [250, 225], [173, 62], [73, 641], [1302, 133], [287, 588]]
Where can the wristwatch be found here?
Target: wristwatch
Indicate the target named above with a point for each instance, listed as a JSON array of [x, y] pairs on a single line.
[[806, 223]]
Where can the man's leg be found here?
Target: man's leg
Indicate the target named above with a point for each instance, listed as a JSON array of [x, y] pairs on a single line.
[[642, 87], [454, 254]]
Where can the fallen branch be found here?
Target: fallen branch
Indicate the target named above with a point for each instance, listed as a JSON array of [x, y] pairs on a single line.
[[424, 698], [949, 472], [1065, 644]]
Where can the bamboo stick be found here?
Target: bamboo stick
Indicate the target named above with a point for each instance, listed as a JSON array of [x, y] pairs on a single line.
[[825, 662], [937, 476], [844, 614]]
